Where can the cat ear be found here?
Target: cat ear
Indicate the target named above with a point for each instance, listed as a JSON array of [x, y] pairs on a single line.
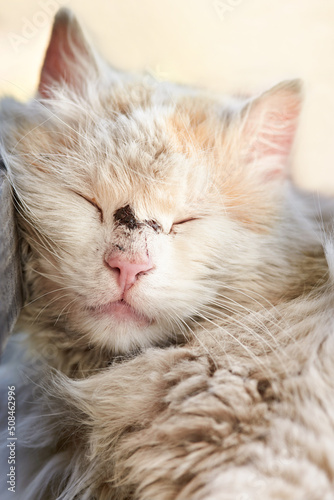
[[269, 127], [69, 57]]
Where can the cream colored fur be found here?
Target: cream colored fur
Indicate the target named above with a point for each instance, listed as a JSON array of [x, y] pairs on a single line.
[[224, 389], [245, 412]]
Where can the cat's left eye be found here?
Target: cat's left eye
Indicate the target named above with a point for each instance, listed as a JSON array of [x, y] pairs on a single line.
[[183, 221], [177, 223]]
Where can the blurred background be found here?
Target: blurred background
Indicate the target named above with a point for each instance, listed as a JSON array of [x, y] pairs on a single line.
[[227, 45]]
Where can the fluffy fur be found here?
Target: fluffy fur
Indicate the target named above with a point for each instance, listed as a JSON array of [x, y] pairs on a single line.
[[211, 172], [244, 412], [216, 381]]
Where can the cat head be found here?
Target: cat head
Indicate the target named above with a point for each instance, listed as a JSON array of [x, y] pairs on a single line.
[[144, 206]]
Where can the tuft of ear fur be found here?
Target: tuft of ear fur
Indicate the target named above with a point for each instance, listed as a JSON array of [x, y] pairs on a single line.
[[269, 126], [69, 57]]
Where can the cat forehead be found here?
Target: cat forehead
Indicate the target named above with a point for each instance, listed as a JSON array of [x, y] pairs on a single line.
[[151, 123], [147, 147], [135, 137], [150, 131]]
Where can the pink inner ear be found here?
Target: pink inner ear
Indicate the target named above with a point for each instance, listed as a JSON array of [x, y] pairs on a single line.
[[271, 125], [53, 68], [66, 54], [275, 135]]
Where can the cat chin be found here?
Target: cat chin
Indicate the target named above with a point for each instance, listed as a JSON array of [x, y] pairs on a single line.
[[119, 328], [121, 312]]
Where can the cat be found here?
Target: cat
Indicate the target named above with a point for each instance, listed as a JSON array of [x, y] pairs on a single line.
[[145, 207], [178, 287], [210, 420]]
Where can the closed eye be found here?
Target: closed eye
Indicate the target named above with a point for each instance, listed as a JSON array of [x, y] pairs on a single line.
[[183, 221], [93, 202], [180, 222]]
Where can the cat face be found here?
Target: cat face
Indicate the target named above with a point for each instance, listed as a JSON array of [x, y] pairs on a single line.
[[140, 203]]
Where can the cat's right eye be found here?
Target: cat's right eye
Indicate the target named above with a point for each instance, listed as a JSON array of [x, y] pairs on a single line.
[[93, 202]]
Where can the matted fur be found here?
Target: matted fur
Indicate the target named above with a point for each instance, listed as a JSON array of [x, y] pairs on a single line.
[[217, 382]]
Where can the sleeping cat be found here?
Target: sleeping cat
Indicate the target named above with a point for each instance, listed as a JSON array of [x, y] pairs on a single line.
[[145, 209], [181, 280]]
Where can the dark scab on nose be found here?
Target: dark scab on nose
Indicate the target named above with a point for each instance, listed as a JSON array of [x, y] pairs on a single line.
[[126, 217]]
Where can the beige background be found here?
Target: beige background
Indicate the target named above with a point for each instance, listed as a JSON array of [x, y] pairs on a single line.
[[229, 45]]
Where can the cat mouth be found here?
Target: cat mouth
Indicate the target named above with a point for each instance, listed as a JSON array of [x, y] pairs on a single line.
[[121, 311]]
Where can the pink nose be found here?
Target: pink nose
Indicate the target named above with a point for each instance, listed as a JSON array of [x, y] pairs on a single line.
[[128, 271]]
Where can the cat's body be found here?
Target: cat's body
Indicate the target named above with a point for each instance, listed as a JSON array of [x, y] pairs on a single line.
[[219, 418], [153, 215]]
